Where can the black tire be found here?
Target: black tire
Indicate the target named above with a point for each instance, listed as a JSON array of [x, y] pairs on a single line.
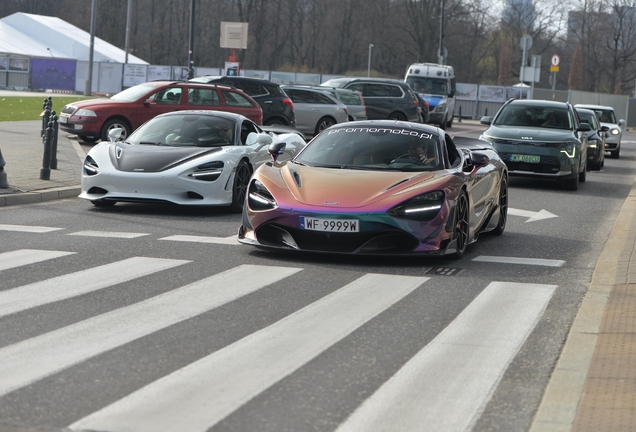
[[323, 124], [583, 173], [503, 207], [397, 116], [572, 184], [239, 188], [449, 124], [114, 124], [103, 203], [615, 154], [460, 231], [87, 139]]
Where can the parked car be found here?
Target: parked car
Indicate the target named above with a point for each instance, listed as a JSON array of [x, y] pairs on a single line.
[[278, 109], [384, 98], [197, 158], [399, 189], [595, 138], [540, 138], [351, 98], [607, 117], [92, 119], [315, 109]]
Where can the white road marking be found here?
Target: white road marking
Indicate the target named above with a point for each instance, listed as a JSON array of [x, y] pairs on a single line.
[[22, 257], [516, 260], [533, 216], [446, 386], [196, 397], [33, 359], [26, 228], [201, 239], [82, 282], [109, 234]]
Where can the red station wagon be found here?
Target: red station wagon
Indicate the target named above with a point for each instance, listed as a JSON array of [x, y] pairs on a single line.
[[91, 119]]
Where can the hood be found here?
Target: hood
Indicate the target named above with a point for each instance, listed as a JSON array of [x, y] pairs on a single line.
[[150, 158], [90, 103], [338, 188], [529, 134]]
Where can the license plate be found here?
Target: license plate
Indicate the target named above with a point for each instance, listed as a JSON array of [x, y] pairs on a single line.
[[62, 119], [525, 158], [331, 225]]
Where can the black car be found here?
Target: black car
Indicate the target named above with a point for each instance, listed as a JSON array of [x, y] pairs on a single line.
[[595, 138], [278, 108], [385, 98], [540, 138]]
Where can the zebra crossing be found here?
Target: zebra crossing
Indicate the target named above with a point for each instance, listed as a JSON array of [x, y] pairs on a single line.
[[445, 385]]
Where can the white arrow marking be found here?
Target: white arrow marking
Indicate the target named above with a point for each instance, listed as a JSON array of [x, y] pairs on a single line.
[[534, 216]]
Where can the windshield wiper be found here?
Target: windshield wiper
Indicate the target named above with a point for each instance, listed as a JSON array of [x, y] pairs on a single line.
[[150, 143]]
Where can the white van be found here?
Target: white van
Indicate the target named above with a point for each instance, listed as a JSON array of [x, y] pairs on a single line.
[[436, 84]]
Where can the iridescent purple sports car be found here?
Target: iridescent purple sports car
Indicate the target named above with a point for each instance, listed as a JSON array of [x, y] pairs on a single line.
[[375, 188]]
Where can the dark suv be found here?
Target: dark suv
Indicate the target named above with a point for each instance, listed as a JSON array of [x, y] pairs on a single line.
[[541, 139], [278, 108], [384, 98]]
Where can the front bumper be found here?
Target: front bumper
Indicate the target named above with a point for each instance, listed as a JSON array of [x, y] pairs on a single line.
[[80, 125]]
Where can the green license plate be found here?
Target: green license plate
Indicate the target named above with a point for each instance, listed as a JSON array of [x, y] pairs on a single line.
[[525, 158]]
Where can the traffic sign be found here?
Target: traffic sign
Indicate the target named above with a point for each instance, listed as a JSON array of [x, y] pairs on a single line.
[[555, 60]]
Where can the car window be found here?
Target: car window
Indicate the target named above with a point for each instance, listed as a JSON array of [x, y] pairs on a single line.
[[356, 86], [300, 96], [134, 93], [534, 116], [323, 99], [389, 148], [185, 131], [350, 98], [606, 116], [252, 89], [201, 96], [381, 90], [246, 128], [588, 118], [235, 99], [170, 95]]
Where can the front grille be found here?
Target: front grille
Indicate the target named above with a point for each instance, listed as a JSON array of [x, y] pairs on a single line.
[[388, 240]]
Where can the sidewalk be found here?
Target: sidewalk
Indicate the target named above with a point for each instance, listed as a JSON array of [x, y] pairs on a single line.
[[23, 151], [593, 385]]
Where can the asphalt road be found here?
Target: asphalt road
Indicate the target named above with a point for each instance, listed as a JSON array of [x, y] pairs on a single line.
[[153, 318]]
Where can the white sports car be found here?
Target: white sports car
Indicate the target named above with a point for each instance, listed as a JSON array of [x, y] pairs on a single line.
[[184, 157]]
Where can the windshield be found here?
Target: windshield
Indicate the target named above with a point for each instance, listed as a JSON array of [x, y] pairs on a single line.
[[374, 148], [134, 93], [534, 116], [185, 131], [588, 118], [433, 86], [606, 116]]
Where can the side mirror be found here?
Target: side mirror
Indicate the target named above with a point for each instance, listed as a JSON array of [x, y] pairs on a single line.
[[114, 134], [150, 101], [276, 150], [452, 93], [584, 127], [262, 139], [479, 159], [604, 128], [621, 123], [486, 120]]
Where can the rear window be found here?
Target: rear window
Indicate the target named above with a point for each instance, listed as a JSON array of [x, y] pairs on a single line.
[[350, 98]]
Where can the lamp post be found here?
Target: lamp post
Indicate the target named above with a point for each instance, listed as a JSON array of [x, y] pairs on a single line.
[[440, 52], [369, 65]]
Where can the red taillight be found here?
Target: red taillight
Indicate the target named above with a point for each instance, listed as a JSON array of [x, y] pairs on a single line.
[[289, 103], [363, 104], [346, 111]]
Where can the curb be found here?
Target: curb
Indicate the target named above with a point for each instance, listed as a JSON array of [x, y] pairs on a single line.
[[561, 400], [36, 197]]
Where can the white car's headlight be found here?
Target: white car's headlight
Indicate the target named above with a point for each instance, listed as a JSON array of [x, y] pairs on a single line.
[[440, 107], [615, 131], [85, 113]]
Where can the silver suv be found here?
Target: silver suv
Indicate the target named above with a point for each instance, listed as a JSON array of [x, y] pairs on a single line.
[[607, 117]]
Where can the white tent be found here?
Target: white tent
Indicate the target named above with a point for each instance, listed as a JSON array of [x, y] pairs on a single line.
[[43, 36]]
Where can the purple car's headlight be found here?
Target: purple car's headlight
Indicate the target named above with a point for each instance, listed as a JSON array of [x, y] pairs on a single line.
[[259, 198], [421, 208]]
